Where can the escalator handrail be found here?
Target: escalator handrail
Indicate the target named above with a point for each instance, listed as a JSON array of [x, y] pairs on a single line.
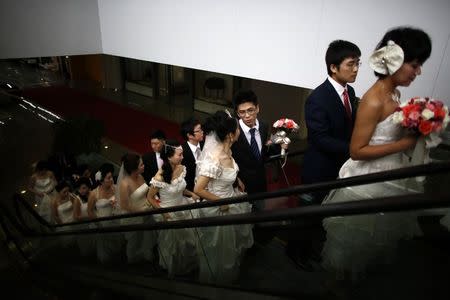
[[429, 169], [378, 205]]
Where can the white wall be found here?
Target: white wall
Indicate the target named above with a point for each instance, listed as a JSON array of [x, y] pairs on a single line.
[[281, 41], [49, 28]]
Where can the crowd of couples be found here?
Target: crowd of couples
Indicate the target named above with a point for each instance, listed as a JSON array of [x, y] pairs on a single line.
[[225, 156], [203, 168]]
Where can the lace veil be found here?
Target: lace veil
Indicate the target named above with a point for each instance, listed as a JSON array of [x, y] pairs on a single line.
[[122, 174], [212, 146]]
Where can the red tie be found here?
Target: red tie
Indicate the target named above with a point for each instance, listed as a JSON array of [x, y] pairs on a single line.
[[347, 104]]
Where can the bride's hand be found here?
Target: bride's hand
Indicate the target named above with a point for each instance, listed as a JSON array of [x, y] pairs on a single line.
[[241, 185], [195, 197]]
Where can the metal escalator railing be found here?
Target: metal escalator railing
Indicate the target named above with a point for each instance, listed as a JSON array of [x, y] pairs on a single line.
[[382, 204], [407, 202], [52, 258]]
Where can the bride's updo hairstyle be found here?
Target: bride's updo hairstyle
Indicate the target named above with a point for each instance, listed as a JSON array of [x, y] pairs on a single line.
[[222, 123], [415, 43], [130, 162], [167, 152], [104, 170]]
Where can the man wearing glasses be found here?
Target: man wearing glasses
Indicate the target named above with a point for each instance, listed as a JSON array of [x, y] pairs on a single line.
[[330, 115], [191, 131], [252, 148]]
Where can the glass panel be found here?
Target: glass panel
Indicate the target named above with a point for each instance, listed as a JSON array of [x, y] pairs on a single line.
[[367, 255], [139, 76], [213, 91]]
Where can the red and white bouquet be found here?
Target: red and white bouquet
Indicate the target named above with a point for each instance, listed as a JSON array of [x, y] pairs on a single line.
[[423, 115], [427, 117], [283, 127]]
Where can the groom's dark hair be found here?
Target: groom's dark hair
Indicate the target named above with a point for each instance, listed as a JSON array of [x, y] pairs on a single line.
[[338, 51], [187, 127], [158, 134], [244, 96]]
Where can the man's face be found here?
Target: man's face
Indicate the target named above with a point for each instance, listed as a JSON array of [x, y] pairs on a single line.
[[248, 112], [156, 144], [198, 134], [347, 71]]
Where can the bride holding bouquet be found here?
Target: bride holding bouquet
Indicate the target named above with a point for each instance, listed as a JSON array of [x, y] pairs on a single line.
[[354, 243]]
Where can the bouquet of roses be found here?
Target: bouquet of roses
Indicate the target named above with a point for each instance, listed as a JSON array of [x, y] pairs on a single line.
[[283, 127], [427, 117], [423, 115]]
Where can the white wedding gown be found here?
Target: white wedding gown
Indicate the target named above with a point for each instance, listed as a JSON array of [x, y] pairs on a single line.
[[65, 213], [178, 248], [223, 246], [356, 242], [85, 242], [140, 244], [109, 245], [47, 186]]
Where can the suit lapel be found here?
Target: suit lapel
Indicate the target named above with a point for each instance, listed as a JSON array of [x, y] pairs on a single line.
[[336, 101], [243, 138], [188, 153]]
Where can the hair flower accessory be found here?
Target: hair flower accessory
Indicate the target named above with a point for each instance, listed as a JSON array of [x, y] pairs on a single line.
[[388, 59], [228, 113], [98, 176]]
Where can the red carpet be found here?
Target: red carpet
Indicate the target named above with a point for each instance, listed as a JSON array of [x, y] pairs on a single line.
[[124, 125], [132, 128]]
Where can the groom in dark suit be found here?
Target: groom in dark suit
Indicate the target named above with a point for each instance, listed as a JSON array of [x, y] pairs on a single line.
[[152, 160], [330, 113], [252, 147], [192, 132]]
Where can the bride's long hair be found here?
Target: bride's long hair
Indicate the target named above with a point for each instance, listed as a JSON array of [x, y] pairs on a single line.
[[167, 152]]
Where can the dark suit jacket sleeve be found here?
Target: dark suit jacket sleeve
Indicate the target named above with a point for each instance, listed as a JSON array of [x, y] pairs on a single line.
[[316, 117]]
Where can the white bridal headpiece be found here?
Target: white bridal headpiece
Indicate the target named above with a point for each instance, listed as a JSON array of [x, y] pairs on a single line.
[[388, 59], [228, 113], [173, 147]]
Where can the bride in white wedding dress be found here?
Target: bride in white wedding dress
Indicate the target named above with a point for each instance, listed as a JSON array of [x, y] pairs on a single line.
[[132, 197], [178, 248], [223, 246], [357, 242]]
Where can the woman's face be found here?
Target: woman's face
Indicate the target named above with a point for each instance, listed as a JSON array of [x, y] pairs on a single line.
[[108, 181], [407, 73], [177, 157], [83, 190]]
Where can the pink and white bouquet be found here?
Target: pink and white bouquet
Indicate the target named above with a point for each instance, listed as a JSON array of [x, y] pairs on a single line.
[[423, 115], [427, 117], [283, 127]]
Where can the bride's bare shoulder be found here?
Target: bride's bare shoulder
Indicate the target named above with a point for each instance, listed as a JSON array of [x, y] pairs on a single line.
[[371, 100]]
